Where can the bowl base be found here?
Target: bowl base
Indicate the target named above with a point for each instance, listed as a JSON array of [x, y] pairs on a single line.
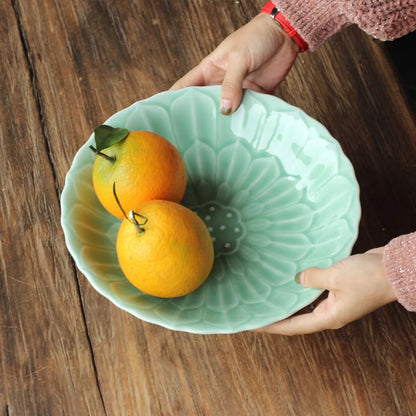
[[224, 224]]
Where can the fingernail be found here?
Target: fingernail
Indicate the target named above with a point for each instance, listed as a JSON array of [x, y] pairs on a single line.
[[226, 107], [300, 277]]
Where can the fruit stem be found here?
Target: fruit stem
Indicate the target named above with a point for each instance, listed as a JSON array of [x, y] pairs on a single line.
[[111, 159], [132, 217], [118, 202]]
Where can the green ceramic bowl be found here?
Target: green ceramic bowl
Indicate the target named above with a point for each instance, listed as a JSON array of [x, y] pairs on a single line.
[[274, 188]]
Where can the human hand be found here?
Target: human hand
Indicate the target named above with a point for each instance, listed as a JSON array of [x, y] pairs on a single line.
[[357, 285], [257, 56]]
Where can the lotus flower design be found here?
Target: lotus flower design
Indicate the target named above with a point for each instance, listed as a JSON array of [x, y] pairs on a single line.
[[273, 187]]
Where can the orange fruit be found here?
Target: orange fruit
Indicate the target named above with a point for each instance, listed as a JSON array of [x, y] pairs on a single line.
[[143, 166], [170, 254]]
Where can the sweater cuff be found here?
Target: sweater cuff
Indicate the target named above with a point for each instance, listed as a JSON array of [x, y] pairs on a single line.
[[313, 20], [400, 263]]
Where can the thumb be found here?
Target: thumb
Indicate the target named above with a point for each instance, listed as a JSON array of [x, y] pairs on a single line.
[[232, 86], [316, 278]]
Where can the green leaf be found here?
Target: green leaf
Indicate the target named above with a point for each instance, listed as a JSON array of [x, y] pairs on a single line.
[[106, 136]]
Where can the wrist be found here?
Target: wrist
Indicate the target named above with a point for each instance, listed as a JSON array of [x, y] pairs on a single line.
[[279, 19], [390, 293], [383, 280], [280, 35]]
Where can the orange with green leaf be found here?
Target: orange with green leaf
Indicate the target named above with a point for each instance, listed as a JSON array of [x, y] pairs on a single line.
[[142, 164]]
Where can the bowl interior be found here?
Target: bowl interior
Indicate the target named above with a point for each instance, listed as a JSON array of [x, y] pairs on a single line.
[[271, 184]]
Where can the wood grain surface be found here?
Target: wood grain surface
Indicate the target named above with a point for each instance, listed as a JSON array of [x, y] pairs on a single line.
[[65, 67]]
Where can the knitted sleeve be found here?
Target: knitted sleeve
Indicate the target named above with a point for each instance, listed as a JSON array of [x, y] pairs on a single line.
[[400, 264], [317, 20]]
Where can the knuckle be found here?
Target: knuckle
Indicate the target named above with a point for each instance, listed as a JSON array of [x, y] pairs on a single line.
[[228, 85], [336, 322]]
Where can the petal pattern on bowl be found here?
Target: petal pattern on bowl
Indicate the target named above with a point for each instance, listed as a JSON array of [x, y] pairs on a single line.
[[273, 187]]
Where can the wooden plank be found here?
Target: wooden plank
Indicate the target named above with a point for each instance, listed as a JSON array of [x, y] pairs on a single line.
[[93, 58], [45, 359], [97, 81]]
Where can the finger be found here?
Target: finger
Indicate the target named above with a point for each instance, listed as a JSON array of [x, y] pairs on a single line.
[[296, 325], [232, 86], [307, 323], [194, 77], [317, 278]]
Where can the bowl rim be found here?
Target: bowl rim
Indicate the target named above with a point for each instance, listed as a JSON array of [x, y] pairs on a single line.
[[80, 156]]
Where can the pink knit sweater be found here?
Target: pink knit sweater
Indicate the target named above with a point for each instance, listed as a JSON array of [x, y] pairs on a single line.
[[316, 21], [400, 263]]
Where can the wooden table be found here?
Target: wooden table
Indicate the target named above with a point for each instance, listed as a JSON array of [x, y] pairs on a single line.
[[65, 67]]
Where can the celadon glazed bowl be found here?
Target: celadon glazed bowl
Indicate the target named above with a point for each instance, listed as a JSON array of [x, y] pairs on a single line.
[[274, 188]]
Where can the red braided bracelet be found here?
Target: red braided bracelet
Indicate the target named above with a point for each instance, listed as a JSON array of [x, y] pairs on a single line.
[[277, 15]]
